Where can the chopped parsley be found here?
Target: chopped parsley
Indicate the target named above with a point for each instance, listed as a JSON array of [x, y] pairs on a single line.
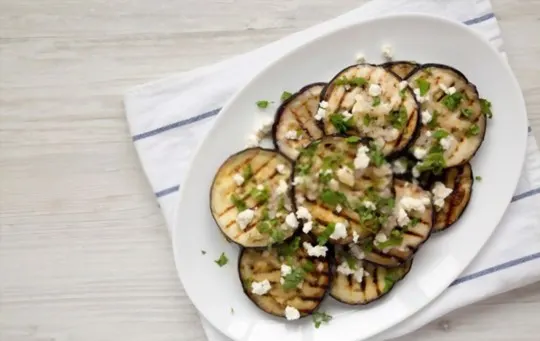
[[203, 252], [413, 222], [325, 235], [339, 122], [247, 282], [332, 161], [473, 130], [222, 260], [247, 172], [262, 104], [466, 112], [485, 106], [232, 311], [376, 101], [478, 178], [320, 317], [270, 227], [333, 198], [308, 266], [392, 276], [367, 245], [288, 249], [351, 261], [440, 134], [398, 118], [452, 101], [356, 81], [375, 155], [295, 277], [434, 161], [285, 95], [304, 168], [325, 177], [238, 203], [260, 195], [367, 120], [423, 86], [396, 238], [434, 123], [353, 139]]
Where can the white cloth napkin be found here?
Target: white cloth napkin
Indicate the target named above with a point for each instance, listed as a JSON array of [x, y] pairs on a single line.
[[169, 117]]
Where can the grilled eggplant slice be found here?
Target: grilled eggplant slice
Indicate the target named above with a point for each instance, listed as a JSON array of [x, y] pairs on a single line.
[[453, 123], [367, 283], [303, 288], [327, 184], [295, 126], [460, 180], [405, 236], [367, 101], [401, 68], [251, 198]]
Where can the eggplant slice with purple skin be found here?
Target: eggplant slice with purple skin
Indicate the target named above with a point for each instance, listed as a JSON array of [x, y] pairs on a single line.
[[357, 282], [452, 120], [367, 101], [303, 288], [403, 240], [460, 180], [327, 184], [251, 197], [295, 126], [402, 68]]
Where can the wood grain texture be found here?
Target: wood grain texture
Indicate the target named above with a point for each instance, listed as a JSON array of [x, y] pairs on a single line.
[[84, 253]]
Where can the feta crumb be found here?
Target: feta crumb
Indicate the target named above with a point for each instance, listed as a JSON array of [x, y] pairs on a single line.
[[282, 188], [340, 231], [451, 90], [291, 313], [265, 128], [369, 204], [298, 180], [346, 115], [315, 251], [387, 51], [303, 213], [253, 141], [415, 172], [428, 133], [403, 85], [260, 187], [285, 270], [321, 114], [381, 237], [323, 104], [339, 208], [360, 57], [281, 168], [443, 87], [291, 220], [446, 142], [347, 87], [357, 252], [300, 199], [419, 98], [260, 288], [238, 179], [392, 134], [307, 227], [333, 184], [291, 135], [374, 90], [426, 117], [402, 217], [399, 167], [361, 160], [346, 176], [359, 275], [420, 153], [355, 236], [412, 204], [440, 192], [344, 269], [244, 218]]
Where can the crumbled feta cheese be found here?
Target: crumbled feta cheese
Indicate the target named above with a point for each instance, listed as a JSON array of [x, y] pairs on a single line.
[[420, 98], [357, 252], [333, 184], [260, 187], [344, 269], [360, 57], [392, 134], [451, 90], [446, 142], [315, 251], [355, 236], [260, 288], [381, 237], [307, 227], [399, 167], [244, 218], [281, 168], [403, 85], [300, 199], [291, 135], [402, 217], [420, 153], [291, 313], [238, 179], [426, 200], [359, 275], [361, 160], [339, 208], [340, 231], [298, 180], [347, 87], [253, 141], [412, 204], [374, 90], [291, 220], [443, 87], [265, 128], [387, 51], [428, 133], [440, 192], [346, 176], [323, 104], [426, 117], [346, 115], [415, 172], [282, 188], [369, 204], [285, 270], [303, 213], [321, 114]]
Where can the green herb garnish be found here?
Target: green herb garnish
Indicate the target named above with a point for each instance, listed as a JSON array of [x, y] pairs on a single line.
[[333, 198], [413, 222], [376, 101], [375, 155], [285, 95], [398, 118], [262, 104], [222, 260], [392, 276], [247, 172], [294, 278], [320, 317], [434, 123], [434, 162], [452, 101], [288, 249], [440, 134], [238, 203], [423, 86], [485, 106], [367, 120], [339, 122], [466, 112], [353, 139], [478, 178], [473, 130], [325, 235], [395, 240], [356, 81], [308, 266], [260, 195]]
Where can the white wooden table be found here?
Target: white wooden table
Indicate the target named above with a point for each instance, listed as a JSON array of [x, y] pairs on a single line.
[[84, 253]]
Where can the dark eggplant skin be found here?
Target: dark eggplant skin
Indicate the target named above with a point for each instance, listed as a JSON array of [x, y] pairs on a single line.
[[304, 238], [397, 153], [291, 191], [392, 64], [437, 230], [281, 109]]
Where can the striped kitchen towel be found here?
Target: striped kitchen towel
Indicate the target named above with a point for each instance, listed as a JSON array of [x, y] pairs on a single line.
[[169, 117]]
